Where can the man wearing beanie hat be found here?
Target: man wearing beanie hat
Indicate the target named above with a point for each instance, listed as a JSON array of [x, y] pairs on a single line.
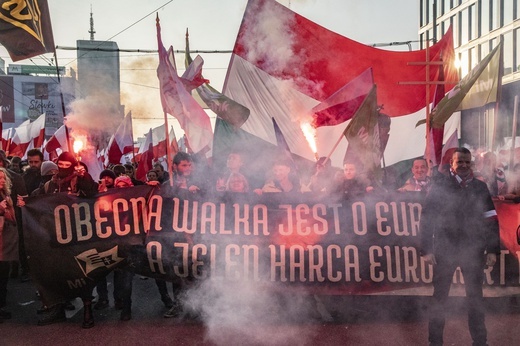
[[106, 180], [48, 170], [74, 179]]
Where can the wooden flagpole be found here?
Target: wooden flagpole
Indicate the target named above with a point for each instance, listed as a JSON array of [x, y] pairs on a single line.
[[513, 136], [428, 83], [168, 149]]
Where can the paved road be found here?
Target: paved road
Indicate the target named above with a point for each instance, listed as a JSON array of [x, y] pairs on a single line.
[[334, 321]]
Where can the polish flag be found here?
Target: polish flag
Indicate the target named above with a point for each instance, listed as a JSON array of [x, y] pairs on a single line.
[[145, 157], [57, 141], [121, 142], [178, 102], [285, 73], [159, 142], [25, 134]]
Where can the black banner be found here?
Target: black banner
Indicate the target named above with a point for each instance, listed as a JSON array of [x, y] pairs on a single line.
[[327, 246]]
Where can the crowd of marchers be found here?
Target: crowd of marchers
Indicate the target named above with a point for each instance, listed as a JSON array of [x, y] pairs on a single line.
[[21, 179]]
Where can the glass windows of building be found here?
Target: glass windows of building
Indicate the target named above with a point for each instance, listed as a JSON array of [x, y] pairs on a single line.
[[508, 12], [464, 63], [516, 51], [508, 53], [473, 57], [495, 14], [484, 17], [456, 34], [473, 22], [484, 49], [464, 26], [447, 5]]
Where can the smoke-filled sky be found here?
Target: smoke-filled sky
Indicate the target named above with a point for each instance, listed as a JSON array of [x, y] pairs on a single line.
[[213, 25]]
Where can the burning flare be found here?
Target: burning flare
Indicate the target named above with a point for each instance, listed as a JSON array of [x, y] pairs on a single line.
[[78, 145], [310, 135]]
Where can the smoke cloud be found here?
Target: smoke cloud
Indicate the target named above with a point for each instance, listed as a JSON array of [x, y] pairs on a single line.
[[243, 311]]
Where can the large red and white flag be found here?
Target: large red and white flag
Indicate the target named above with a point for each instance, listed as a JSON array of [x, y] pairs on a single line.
[[121, 142], [344, 103], [25, 28], [160, 143], [32, 134], [178, 102], [283, 73], [145, 157]]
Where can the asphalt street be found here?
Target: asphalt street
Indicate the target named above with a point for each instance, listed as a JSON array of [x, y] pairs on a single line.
[[354, 320]]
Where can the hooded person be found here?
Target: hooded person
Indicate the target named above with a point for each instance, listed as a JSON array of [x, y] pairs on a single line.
[[71, 177]]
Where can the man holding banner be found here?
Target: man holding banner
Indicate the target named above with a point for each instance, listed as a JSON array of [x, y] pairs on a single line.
[[459, 228]]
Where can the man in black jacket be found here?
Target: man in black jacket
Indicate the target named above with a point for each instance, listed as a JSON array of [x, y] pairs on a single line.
[[459, 228]]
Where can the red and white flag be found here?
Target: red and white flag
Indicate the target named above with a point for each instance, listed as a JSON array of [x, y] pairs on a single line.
[[344, 103], [57, 141], [121, 142], [285, 76], [192, 76], [145, 157], [178, 102], [160, 143], [25, 134], [6, 138]]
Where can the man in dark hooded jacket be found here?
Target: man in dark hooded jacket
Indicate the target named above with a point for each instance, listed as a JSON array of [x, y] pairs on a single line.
[[72, 177]]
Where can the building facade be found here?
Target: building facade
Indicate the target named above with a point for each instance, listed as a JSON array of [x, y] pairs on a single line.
[[26, 94], [478, 27]]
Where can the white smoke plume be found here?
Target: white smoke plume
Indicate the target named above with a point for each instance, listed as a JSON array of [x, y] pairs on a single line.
[[244, 311]]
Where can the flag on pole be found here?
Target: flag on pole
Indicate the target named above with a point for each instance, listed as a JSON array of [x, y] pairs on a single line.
[[57, 141], [121, 142], [486, 73], [25, 134], [178, 102], [362, 133], [192, 76], [6, 138], [285, 76], [159, 142], [225, 108], [25, 28], [146, 157], [344, 103], [434, 149]]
